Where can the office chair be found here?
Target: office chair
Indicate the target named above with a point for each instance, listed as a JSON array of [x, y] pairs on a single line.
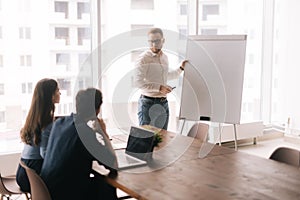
[[287, 155], [200, 131], [9, 186], [38, 187]]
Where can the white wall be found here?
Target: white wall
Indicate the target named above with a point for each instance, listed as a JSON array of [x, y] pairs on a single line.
[[9, 163]]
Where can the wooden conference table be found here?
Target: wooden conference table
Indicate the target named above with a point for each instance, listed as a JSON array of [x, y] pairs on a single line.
[[177, 172]]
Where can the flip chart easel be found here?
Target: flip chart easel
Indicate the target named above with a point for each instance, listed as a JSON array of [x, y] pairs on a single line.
[[213, 79]]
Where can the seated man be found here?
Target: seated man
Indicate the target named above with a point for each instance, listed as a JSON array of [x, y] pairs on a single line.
[[71, 149]]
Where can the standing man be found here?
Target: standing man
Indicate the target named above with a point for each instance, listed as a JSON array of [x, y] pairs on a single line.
[[152, 74]]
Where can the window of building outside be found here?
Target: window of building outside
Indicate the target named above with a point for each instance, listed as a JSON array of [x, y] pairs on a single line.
[[1, 61], [62, 59], [24, 5], [25, 60], [62, 34], [208, 10], [82, 58], [209, 31], [83, 34], [141, 27], [183, 9], [82, 8], [24, 88], [183, 32], [25, 33], [142, 4], [41, 27], [65, 85], [27, 88], [1, 88], [62, 7], [2, 116]]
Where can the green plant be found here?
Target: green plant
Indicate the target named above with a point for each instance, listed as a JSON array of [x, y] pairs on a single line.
[[157, 135], [157, 139]]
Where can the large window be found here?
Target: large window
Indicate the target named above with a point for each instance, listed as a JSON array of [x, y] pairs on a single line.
[[141, 16], [43, 39], [214, 17], [283, 81], [65, 33], [230, 17]]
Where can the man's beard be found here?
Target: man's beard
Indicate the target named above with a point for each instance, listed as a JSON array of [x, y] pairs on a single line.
[[156, 50]]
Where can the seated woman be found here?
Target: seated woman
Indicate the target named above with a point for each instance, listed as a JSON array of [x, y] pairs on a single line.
[[37, 128]]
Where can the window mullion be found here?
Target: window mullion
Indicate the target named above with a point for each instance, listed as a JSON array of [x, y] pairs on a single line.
[[267, 60]]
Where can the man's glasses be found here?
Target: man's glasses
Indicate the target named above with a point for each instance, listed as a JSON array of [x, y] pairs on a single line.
[[157, 41]]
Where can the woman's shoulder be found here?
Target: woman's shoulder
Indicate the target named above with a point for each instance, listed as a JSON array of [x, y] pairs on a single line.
[[48, 127]]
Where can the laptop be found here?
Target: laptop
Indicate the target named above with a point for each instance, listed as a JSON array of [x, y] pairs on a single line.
[[138, 149]]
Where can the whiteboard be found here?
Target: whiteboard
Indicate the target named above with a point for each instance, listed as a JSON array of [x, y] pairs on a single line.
[[213, 78]]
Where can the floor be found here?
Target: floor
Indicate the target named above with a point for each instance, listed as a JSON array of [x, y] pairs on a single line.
[[263, 148]]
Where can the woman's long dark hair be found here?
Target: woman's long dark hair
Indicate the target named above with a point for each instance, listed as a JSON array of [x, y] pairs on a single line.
[[41, 112]]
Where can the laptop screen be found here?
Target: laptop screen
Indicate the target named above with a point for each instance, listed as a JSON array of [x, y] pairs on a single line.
[[140, 143]]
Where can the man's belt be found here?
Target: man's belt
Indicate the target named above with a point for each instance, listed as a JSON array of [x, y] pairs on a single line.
[[154, 98]]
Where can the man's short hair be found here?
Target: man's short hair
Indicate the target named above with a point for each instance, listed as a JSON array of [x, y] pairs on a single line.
[[87, 102], [156, 30]]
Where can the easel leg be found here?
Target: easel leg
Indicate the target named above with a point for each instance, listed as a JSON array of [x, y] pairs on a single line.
[[254, 141], [220, 134], [235, 137], [183, 123]]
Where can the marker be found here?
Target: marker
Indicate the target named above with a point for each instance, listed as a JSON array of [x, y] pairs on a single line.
[[173, 87]]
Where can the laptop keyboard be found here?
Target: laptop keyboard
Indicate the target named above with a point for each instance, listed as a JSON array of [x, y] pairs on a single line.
[[127, 159]]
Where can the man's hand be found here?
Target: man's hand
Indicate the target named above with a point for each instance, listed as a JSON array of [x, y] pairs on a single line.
[[103, 126], [183, 63], [165, 89]]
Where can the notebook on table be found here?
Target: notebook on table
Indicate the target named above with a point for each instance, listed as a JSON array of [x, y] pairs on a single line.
[[138, 149]]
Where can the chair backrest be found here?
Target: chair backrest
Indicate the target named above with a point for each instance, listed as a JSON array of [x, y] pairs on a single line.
[[9, 186], [199, 130], [38, 187], [3, 189], [287, 155]]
